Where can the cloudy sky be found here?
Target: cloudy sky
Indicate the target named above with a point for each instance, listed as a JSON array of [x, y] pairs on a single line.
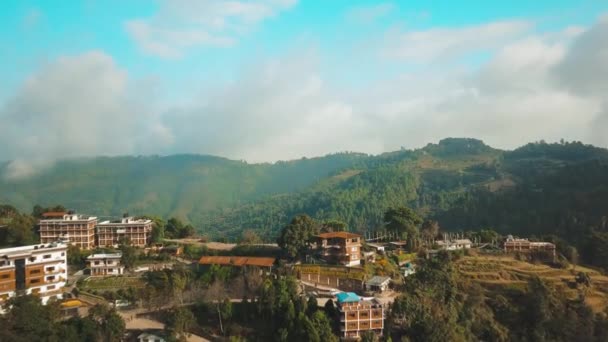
[[281, 79]]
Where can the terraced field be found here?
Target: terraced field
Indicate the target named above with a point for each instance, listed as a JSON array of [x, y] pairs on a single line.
[[494, 272]]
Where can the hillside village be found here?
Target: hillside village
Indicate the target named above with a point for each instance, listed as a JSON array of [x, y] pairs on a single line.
[[82, 262]]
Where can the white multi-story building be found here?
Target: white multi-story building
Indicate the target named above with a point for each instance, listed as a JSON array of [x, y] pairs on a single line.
[[40, 270], [76, 229], [138, 232], [105, 264]]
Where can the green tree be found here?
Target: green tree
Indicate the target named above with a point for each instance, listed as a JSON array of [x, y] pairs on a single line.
[[129, 254], [249, 237], [333, 226], [111, 326], [403, 221], [429, 230], [179, 322], [322, 326], [295, 237]]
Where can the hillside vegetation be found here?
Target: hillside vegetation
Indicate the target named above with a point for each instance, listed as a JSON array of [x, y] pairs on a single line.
[[538, 189]]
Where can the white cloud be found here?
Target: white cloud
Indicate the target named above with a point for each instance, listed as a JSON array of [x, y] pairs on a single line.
[[77, 106], [183, 24], [451, 43], [286, 108]]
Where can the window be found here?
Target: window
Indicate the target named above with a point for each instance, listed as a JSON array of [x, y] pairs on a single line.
[[51, 287], [34, 281], [36, 271], [51, 278], [5, 276], [2, 263], [96, 262], [354, 249], [32, 259], [47, 256], [62, 253], [50, 269]]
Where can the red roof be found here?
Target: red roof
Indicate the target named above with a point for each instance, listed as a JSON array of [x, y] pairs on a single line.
[[236, 261], [54, 214], [340, 235]]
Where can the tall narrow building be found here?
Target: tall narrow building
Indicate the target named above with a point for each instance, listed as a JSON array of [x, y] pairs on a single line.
[[39, 270], [76, 229]]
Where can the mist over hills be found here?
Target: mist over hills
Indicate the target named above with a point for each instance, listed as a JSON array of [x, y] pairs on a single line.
[[462, 182]]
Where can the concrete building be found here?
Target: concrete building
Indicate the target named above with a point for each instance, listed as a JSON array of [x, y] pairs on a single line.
[[455, 244], [73, 228], [102, 265], [525, 246], [342, 248], [110, 233], [358, 315], [377, 283], [39, 270]]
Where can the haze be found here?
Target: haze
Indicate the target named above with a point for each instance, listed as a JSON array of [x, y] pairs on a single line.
[[282, 79]]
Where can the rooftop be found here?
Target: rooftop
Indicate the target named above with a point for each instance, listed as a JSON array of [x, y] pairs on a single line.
[[54, 214], [9, 252], [340, 235], [378, 281], [348, 297], [125, 220], [237, 261], [105, 256]]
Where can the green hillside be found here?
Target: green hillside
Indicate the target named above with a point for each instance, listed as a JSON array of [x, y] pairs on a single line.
[[182, 185], [537, 189]]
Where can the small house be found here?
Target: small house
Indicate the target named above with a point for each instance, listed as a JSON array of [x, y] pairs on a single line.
[[377, 283]]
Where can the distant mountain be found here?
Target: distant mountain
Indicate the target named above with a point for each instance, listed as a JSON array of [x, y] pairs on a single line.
[[462, 182]]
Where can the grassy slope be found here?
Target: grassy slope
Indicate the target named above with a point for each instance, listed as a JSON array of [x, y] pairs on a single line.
[[501, 272]]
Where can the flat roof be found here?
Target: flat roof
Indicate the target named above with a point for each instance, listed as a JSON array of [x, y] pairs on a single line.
[[54, 214], [105, 256], [341, 235], [237, 261], [348, 297], [124, 221], [13, 251], [398, 243], [378, 280]]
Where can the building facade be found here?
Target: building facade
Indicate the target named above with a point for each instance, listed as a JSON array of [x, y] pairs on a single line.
[[102, 265], [358, 315], [138, 232], [39, 270], [342, 248], [75, 229], [513, 245]]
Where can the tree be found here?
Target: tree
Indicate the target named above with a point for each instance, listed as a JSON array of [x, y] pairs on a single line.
[[369, 336], [295, 237], [173, 227], [429, 230], [129, 255], [323, 327], [178, 323], [312, 306], [333, 226], [249, 237], [111, 326], [403, 221]]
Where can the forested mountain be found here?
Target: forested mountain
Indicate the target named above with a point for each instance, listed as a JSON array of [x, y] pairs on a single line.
[[181, 185], [537, 189]]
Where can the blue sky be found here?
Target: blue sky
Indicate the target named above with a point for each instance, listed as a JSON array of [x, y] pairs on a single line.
[[367, 63]]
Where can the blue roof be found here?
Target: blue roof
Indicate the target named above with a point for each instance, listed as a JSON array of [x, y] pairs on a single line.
[[347, 297]]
